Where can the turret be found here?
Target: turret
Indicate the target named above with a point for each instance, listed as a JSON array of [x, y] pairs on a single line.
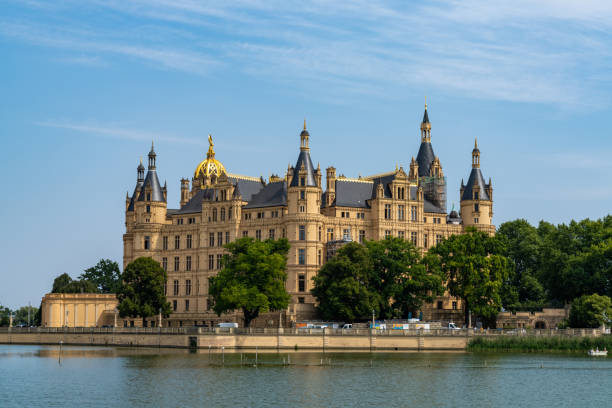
[[476, 196], [429, 167], [330, 194], [184, 191]]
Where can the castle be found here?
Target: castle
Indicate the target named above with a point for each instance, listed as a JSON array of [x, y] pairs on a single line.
[[220, 207]]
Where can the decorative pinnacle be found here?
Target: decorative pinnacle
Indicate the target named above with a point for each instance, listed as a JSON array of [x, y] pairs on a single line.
[[425, 102], [304, 123], [476, 143]]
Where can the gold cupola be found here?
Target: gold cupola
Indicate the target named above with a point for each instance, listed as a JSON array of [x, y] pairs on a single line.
[[210, 168]]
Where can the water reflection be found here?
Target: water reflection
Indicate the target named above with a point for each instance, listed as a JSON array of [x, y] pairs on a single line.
[[122, 377]]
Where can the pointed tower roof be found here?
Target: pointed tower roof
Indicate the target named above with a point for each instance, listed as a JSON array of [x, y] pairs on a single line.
[[152, 181], [304, 162], [476, 179]]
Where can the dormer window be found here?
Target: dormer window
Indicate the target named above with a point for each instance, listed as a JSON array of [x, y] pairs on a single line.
[[302, 181]]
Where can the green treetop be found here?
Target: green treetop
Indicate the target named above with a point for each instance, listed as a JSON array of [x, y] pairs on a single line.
[[252, 279]]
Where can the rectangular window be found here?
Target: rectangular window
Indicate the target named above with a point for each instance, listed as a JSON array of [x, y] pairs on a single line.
[[176, 263], [476, 207], [165, 263], [223, 214], [302, 233], [387, 233], [330, 234], [346, 234], [302, 256], [361, 236], [302, 195], [148, 209], [387, 211], [174, 303], [258, 235], [165, 243], [176, 287], [177, 242], [227, 237], [413, 213], [475, 195], [320, 233], [413, 238], [188, 242], [302, 208], [188, 263], [425, 242], [301, 283], [245, 234], [220, 238], [188, 287], [219, 258], [439, 305], [271, 234], [147, 243], [302, 181], [211, 262], [400, 234], [319, 258], [186, 305], [438, 238], [454, 305], [301, 299], [400, 212], [208, 304], [211, 239], [475, 220]]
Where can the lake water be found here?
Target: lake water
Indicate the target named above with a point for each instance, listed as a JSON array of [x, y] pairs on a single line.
[[38, 376]]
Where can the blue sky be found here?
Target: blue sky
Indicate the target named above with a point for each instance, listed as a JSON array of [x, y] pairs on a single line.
[[86, 86]]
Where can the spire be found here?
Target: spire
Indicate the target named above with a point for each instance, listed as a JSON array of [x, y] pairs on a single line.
[[475, 155], [140, 171], [425, 126], [304, 138], [152, 157]]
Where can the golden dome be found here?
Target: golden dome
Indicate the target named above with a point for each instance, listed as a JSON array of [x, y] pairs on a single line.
[[210, 166]]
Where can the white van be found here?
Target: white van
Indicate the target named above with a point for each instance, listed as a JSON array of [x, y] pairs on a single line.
[[230, 325]]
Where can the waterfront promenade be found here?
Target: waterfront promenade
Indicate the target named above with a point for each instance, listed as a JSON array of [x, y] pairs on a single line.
[[270, 338]]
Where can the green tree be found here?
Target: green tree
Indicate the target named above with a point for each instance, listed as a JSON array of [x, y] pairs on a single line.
[[476, 271], [523, 246], [5, 314], [590, 311], [252, 279], [105, 275], [344, 286], [401, 278], [65, 284], [141, 293], [21, 316]]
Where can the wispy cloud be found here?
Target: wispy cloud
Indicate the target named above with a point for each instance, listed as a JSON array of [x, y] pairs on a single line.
[[550, 51]]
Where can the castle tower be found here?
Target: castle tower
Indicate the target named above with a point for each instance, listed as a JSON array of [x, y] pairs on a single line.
[[476, 195], [431, 176], [304, 220]]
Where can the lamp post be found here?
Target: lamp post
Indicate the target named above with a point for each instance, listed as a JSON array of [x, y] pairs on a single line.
[[373, 322]]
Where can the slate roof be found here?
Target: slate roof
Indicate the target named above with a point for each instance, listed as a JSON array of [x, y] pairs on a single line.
[[152, 181], [134, 197], [425, 158], [248, 187], [272, 195], [353, 193], [194, 205], [304, 158], [429, 207], [425, 116], [475, 179]]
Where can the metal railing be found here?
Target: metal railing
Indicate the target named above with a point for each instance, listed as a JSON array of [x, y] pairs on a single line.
[[303, 331]]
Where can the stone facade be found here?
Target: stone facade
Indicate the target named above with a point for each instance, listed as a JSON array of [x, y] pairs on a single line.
[[78, 309], [548, 318], [217, 207]]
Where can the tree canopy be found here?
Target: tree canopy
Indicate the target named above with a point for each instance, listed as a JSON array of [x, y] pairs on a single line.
[[476, 271], [252, 279], [5, 314], [141, 293], [387, 276], [591, 311], [65, 284], [105, 275]]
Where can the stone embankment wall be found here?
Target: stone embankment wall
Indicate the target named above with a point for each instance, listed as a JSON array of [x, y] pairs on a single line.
[[276, 339]]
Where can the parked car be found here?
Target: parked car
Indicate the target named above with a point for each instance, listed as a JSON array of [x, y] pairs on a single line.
[[231, 325], [452, 326], [347, 326]]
